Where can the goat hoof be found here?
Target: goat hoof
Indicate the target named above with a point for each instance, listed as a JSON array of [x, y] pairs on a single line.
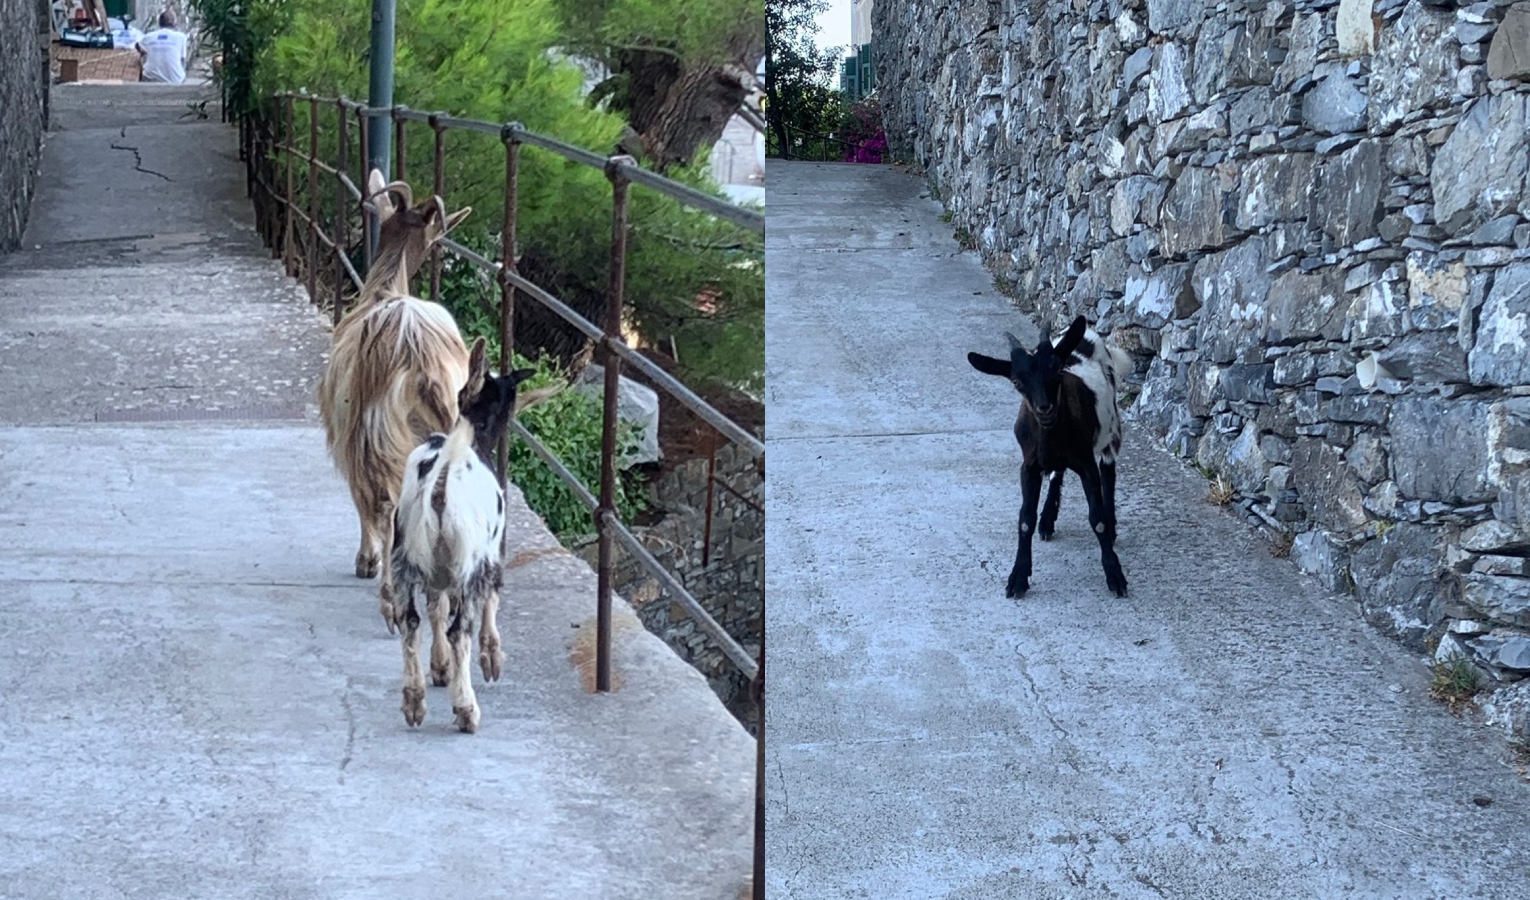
[[1116, 581], [390, 616], [467, 718], [414, 705], [1044, 533], [366, 565], [489, 662], [1018, 585], [441, 674]]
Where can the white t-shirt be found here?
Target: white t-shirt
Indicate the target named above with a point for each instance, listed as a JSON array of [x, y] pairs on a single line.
[[165, 58]]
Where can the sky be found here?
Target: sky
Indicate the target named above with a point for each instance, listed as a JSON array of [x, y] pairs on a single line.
[[834, 25]]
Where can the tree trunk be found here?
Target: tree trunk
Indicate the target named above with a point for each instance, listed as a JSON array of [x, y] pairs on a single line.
[[678, 108]]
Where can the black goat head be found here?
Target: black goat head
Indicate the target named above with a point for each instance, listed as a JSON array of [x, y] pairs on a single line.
[[1036, 374]]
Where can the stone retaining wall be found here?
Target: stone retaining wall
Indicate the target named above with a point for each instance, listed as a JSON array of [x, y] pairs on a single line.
[[23, 41], [1308, 222]]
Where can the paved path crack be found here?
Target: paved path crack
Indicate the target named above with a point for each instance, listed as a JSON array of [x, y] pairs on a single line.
[[138, 158], [350, 726]]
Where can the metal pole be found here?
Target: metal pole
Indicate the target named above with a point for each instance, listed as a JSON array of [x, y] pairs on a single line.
[[313, 199], [368, 226], [613, 364], [706, 543], [439, 189], [398, 138], [758, 689], [341, 194], [379, 96], [506, 289], [289, 264]]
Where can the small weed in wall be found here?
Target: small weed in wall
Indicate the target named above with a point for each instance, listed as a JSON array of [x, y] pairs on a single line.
[[1220, 491], [947, 216], [1280, 545], [965, 240], [1454, 682]]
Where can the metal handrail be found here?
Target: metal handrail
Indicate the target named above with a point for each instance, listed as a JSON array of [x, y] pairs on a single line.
[[809, 137], [621, 171]]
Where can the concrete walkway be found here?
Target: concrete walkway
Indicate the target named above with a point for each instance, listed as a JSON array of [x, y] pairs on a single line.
[[197, 698], [1228, 730]]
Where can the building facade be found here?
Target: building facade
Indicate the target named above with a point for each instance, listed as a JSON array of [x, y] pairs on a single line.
[[857, 76]]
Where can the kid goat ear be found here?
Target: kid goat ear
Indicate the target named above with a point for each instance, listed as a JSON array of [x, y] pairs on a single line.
[[988, 365]]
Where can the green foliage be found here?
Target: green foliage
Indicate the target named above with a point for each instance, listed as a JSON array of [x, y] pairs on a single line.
[[694, 31], [799, 78], [1453, 681], [569, 424], [491, 59], [241, 31]]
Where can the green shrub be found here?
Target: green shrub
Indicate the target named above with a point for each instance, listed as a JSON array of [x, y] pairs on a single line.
[[569, 424]]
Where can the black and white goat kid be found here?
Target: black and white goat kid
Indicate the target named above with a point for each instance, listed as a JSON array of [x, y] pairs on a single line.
[[447, 530], [1068, 420]]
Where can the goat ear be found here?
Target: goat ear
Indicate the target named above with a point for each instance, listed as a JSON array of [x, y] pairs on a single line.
[[478, 370], [988, 365], [520, 375], [375, 183], [527, 399], [478, 362], [455, 219], [1014, 342], [1071, 338]]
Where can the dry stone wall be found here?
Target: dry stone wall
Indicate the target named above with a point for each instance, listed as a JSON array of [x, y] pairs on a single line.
[[24, 87], [1309, 221]]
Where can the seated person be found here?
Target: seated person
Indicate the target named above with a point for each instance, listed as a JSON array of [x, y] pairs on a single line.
[[163, 52]]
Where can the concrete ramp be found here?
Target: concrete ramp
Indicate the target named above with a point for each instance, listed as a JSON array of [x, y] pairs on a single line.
[[1229, 730]]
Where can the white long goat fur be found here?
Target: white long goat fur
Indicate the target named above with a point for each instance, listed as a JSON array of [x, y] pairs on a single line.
[[396, 367]]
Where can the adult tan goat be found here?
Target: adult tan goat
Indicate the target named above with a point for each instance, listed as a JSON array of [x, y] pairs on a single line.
[[396, 366]]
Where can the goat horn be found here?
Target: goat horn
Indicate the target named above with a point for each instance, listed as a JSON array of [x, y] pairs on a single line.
[[441, 212], [404, 189], [400, 187]]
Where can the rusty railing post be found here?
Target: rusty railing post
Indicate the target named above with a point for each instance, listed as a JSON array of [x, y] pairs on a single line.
[[507, 134], [273, 135], [612, 362], [706, 541], [339, 226], [758, 689], [288, 263], [439, 190], [313, 199], [369, 233], [398, 143], [244, 154]]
